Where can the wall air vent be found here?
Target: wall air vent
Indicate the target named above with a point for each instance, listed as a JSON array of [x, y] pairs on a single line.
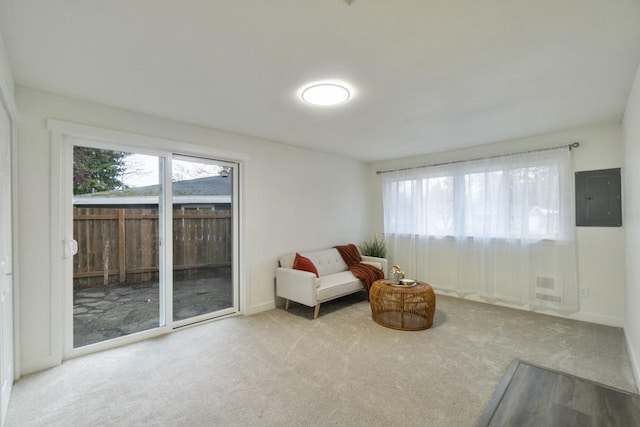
[[552, 298], [546, 290]]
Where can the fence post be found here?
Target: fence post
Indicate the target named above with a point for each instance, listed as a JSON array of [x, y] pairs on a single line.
[[122, 246], [105, 262]]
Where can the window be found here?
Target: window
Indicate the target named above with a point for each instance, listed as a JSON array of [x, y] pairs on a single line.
[[494, 228], [513, 197]]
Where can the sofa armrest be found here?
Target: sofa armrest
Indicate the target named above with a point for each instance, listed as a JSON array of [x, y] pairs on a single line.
[[382, 261], [297, 285]]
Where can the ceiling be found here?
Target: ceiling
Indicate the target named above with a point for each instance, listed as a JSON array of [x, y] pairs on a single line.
[[427, 75]]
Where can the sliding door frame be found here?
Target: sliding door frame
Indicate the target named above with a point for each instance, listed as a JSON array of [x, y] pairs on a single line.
[[61, 322], [235, 196], [164, 261]]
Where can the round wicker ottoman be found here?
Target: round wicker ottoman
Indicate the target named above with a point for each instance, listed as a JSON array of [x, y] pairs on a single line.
[[405, 308]]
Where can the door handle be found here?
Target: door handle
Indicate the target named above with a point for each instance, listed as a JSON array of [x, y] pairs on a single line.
[[70, 248]]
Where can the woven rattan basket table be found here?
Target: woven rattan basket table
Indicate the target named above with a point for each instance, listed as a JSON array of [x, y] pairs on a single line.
[[405, 308]]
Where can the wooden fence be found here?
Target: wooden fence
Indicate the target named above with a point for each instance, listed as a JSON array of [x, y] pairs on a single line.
[[122, 245]]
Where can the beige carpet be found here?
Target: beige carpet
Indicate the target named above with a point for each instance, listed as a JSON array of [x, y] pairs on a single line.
[[283, 369]]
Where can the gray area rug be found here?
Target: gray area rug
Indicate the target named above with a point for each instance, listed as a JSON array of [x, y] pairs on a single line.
[[281, 368], [531, 395]]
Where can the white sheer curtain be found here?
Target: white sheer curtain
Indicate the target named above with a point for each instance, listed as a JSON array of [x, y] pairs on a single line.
[[501, 228]]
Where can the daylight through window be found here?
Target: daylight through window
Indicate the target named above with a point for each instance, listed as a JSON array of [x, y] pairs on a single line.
[[524, 196]]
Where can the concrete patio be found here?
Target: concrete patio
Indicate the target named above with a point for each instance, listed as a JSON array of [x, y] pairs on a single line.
[[104, 312]]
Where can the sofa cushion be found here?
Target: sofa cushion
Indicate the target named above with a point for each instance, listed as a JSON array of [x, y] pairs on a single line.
[[327, 261], [305, 264], [337, 284]]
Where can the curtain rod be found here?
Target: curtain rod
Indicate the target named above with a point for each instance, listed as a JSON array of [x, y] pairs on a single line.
[[570, 146]]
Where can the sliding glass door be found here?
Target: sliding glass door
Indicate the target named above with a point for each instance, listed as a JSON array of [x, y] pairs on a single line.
[[203, 224], [154, 241], [117, 224]]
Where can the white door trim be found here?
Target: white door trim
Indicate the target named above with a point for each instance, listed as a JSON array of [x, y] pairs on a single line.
[[7, 263]]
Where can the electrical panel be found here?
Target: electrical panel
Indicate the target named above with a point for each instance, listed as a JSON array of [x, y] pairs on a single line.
[[598, 198]]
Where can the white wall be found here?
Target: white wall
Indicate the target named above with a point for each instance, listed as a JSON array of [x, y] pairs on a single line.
[[631, 125], [295, 200], [298, 199], [600, 249]]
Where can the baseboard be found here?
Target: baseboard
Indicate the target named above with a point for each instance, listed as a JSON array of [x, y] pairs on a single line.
[[258, 308], [581, 315], [597, 318], [31, 366], [632, 356]]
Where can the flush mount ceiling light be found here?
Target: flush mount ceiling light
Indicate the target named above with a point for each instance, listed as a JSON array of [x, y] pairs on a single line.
[[325, 94]]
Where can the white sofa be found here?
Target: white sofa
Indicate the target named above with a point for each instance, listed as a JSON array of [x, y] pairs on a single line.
[[334, 278]]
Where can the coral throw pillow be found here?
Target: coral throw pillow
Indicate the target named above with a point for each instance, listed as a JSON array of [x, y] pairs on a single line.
[[304, 264]]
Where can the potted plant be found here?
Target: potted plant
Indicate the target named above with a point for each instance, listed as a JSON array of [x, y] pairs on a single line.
[[374, 247]]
